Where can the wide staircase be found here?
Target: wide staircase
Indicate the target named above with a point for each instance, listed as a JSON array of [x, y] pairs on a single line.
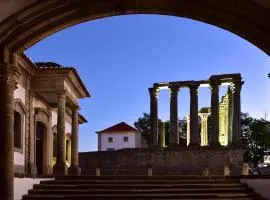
[[142, 187]]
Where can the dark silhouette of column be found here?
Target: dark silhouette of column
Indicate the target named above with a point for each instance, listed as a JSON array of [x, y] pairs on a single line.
[[60, 167], [174, 114], [236, 97], [9, 76], [161, 135], [74, 168], [154, 115], [214, 84], [194, 127]]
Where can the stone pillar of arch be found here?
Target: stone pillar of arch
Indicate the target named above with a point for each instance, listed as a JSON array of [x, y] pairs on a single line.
[[154, 115], [9, 76], [194, 127], [60, 167], [236, 126], [214, 85], [204, 128], [74, 168], [174, 114]]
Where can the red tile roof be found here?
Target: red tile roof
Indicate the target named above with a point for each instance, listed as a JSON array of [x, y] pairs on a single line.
[[120, 127]]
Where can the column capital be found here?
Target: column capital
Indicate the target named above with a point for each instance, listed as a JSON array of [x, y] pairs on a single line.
[[174, 89], [236, 86], [75, 107], [193, 89], [154, 92], [9, 74]]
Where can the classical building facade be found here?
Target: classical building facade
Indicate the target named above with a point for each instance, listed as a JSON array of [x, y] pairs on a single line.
[[225, 116], [119, 136], [46, 118]]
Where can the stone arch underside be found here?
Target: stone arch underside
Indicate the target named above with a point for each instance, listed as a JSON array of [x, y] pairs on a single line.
[[247, 18]]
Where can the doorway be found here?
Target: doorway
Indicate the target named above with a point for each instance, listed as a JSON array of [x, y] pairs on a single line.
[[40, 133]]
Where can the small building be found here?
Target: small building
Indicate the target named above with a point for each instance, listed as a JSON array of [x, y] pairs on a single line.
[[118, 136]]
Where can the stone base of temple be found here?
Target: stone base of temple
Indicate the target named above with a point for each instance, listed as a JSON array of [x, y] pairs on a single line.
[[74, 170], [169, 161], [60, 169]]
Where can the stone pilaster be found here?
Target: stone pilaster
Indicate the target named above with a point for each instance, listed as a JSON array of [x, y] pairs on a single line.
[[9, 77], [60, 167], [74, 168], [32, 168], [236, 126], [214, 84], [154, 115], [194, 127], [174, 114]]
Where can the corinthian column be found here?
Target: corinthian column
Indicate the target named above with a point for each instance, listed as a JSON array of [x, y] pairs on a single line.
[[154, 115], [74, 168], [214, 84], [9, 76], [174, 114], [236, 97], [60, 167], [204, 134], [188, 129], [194, 131]]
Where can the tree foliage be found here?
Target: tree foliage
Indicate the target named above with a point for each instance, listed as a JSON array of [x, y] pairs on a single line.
[[255, 138], [143, 125]]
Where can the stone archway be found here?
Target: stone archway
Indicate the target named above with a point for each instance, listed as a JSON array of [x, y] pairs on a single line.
[[34, 21]]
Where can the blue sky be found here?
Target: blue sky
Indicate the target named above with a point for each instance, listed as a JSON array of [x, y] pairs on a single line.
[[119, 58]]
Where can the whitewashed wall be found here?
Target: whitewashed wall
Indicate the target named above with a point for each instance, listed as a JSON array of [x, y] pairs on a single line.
[[118, 140], [19, 157]]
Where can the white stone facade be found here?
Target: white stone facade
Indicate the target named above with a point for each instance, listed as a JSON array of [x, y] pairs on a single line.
[[118, 141]]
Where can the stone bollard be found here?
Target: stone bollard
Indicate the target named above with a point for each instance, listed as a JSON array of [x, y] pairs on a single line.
[[245, 169], [205, 172], [150, 172], [97, 171], [226, 170]]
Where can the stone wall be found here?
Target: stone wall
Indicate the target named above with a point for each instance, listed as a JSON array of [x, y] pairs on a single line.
[[183, 161]]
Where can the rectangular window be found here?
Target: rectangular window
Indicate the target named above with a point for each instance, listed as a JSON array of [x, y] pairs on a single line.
[[110, 149], [67, 149], [17, 130], [110, 139], [125, 139]]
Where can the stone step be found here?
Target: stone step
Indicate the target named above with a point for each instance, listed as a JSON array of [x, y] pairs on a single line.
[[138, 185], [145, 181], [140, 196], [143, 177], [141, 191]]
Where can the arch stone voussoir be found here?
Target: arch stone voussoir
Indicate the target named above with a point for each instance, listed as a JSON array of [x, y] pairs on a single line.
[[248, 18]]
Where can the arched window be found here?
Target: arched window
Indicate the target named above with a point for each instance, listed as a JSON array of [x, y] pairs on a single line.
[[17, 130], [19, 113]]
